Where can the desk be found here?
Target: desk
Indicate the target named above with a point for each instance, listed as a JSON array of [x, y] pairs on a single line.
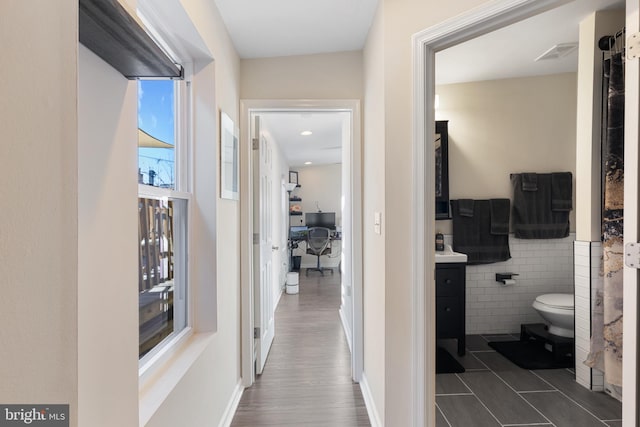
[[296, 238]]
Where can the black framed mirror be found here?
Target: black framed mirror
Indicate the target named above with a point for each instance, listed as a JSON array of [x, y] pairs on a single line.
[[442, 170]]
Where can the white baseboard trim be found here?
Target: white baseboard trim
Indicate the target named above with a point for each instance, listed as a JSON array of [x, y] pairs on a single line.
[[230, 410], [374, 418], [281, 291], [345, 327]]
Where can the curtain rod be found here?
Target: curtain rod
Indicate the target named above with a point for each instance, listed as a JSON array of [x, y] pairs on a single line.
[[608, 42]]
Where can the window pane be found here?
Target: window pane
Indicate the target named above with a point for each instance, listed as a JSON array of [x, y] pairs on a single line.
[[162, 244], [156, 133]]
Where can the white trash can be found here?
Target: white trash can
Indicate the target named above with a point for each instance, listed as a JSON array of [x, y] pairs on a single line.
[[292, 283]]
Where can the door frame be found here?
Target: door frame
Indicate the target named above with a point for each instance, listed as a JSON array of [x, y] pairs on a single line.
[[247, 107], [478, 21], [263, 251], [631, 325]]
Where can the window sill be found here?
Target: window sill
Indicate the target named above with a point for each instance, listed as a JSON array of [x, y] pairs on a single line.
[[158, 381]]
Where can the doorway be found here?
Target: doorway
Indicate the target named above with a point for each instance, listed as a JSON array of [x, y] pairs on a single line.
[[426, 44], [351, 266]]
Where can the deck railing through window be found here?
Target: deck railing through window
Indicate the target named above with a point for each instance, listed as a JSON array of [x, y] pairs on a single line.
[[156, 271]]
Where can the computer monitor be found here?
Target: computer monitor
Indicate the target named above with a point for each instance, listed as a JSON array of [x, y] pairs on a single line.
[[320, 219]]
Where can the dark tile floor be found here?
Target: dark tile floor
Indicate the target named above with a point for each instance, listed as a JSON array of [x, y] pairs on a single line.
[[495, 392]]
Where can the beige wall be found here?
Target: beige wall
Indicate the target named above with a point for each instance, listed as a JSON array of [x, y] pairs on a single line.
[[39, 218], [373, 201], [205, 390], [59, 339], [507, 126], [321, 76], [107, 260], [321, 184], [393, 158]]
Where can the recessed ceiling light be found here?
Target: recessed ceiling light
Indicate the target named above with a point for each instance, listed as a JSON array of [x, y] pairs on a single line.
[[307, 163], [306, 133]]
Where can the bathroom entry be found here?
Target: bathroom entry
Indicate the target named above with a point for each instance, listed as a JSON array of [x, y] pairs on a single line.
[[463, 156]]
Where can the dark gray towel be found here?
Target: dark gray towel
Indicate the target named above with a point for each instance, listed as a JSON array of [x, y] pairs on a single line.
[[500, 210], [472, 235], [561, 191], [465, 207], [531, 213], [529, 182]]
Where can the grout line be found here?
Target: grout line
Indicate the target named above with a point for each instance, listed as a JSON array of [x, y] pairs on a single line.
[[568, 397], [481, 402], [482, 351], [485, 365], [529, 424], [455, 394], [514, 390], [443, 415]]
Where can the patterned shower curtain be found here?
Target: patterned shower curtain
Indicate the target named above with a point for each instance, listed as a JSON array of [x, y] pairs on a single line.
[[606, 339]]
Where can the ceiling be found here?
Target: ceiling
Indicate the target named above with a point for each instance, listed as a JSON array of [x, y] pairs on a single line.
[[511, 51], [323, 146], [270, 28]]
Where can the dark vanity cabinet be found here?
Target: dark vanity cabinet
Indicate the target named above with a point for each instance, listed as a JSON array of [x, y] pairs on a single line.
[[450, 303]]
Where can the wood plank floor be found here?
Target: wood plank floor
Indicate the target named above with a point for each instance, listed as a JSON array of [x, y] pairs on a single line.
[[307, 378]]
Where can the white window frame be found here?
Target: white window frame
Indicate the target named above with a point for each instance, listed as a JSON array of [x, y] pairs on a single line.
[[148, 364]]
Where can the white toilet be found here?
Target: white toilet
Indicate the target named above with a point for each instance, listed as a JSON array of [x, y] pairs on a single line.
[[557, 310]]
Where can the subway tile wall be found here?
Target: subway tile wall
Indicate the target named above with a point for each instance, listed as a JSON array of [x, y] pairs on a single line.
[[588, 274], [543, 266]]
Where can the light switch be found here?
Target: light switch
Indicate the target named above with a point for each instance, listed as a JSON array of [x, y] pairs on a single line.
[[377, 222]]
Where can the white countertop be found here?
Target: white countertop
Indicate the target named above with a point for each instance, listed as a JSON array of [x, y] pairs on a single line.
[[449, 256]]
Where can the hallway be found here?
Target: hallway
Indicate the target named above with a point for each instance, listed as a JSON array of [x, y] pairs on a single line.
[[307, 377]]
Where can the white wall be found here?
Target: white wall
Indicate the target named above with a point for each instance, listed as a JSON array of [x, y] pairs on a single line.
[[373, 188], [39, 215], [203, 394], [107, 250], [500, 127], [320, 187], [543, 266]]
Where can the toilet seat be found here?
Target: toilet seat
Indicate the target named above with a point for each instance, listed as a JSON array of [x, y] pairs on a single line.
[[557, 301]]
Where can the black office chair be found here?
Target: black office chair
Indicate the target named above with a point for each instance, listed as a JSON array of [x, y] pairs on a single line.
[[318, 244]]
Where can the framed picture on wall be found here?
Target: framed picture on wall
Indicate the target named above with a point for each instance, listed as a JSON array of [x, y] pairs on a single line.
[[293, 177], [229, 165]]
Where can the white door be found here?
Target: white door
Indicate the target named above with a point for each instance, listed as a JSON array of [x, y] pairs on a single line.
[[631, 228], [264, 322]]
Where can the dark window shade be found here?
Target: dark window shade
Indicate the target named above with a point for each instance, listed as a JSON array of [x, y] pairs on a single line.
[[114, 35]]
